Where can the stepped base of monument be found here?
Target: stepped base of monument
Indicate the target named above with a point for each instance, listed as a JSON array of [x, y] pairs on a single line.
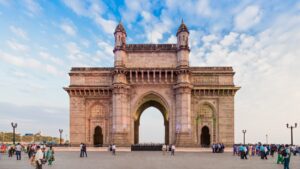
[[146, 147]]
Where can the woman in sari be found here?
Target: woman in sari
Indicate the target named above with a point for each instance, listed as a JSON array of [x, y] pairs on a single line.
[[50, 155]]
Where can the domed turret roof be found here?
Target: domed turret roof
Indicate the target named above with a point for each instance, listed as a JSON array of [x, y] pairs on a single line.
[[120, 28], [182, 28]]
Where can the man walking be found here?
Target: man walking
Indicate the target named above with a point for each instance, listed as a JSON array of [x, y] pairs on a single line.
[[39, 156], [286, 157], [18, 151]]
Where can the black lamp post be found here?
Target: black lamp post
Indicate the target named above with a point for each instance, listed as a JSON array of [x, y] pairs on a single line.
[[60, 132], [14, 126], [244, 132], [291, 127]]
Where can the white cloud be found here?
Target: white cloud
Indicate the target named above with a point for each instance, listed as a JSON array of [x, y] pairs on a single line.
[[133, 9], [18, 31], [72, 48], [203, 7], [248, 17], [68, 27], [107, 25], [17, 46], [229, 39], [49, 57], [19, 74], [77, 56], [77, 6], [93, 10], [172, 39], [29, 63], [32, 6], [209, 38]]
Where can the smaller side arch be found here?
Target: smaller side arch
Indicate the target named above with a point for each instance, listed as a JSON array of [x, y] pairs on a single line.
[[205, 136], [98, 136]]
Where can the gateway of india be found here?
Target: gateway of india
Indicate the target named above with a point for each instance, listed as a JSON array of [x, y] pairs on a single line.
[[106, 103]]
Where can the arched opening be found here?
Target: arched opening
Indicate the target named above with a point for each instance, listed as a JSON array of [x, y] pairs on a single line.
[[205, 137], [151, 129], [98, 137], [153, 101]]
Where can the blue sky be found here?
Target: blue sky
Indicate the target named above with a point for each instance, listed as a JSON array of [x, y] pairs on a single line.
[[41, 40]]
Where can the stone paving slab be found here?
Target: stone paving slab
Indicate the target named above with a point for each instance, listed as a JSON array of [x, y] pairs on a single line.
[[149, 160]]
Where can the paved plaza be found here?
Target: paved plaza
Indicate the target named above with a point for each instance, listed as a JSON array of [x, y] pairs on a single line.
[[149, 160]]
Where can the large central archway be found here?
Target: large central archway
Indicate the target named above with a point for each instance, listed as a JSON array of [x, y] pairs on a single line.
[[151, 100]]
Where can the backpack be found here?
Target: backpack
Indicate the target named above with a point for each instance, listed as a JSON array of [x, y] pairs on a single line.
[[283, 153]]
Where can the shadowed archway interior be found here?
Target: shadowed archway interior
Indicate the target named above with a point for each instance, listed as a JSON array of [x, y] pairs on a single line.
[[151, 101], [205, 137], [98, 136]]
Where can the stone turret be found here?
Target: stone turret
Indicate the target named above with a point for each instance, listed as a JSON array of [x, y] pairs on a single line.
[[120, 45], [183, 49]]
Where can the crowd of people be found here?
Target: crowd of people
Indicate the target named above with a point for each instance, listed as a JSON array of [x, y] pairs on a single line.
[[217, 147], [264, 150], [38, 155]]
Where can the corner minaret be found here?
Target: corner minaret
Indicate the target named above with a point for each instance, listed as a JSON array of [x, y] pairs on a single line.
[[183, 88], [183, 49], [120, 45]]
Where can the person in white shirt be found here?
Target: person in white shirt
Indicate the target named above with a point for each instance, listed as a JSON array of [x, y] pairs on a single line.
[[39, 156], [114, 149], [18, 151], [173, 149], [164, 149], [81, 150]]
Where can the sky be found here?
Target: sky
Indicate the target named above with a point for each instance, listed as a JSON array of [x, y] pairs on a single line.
[[41, 40]]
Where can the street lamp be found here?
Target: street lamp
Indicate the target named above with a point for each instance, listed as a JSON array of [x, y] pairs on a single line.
[[267, 138], [244, 132], [60, 132], [291, 127], [14, 126]]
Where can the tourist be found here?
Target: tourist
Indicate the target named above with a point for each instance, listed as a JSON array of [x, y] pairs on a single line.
[[10, 150], [18, 151], [81, 150], [173, 150], [50, 155], [84, 150], [164, 148], [109, 148], [266, 152], [262, 152], [243, 151], [234, 149], [250, 150], [253, 150], [213, 147], [273, 149], [279, 154], [39, 156], [28, 149], [286, 157], [113, 149]]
